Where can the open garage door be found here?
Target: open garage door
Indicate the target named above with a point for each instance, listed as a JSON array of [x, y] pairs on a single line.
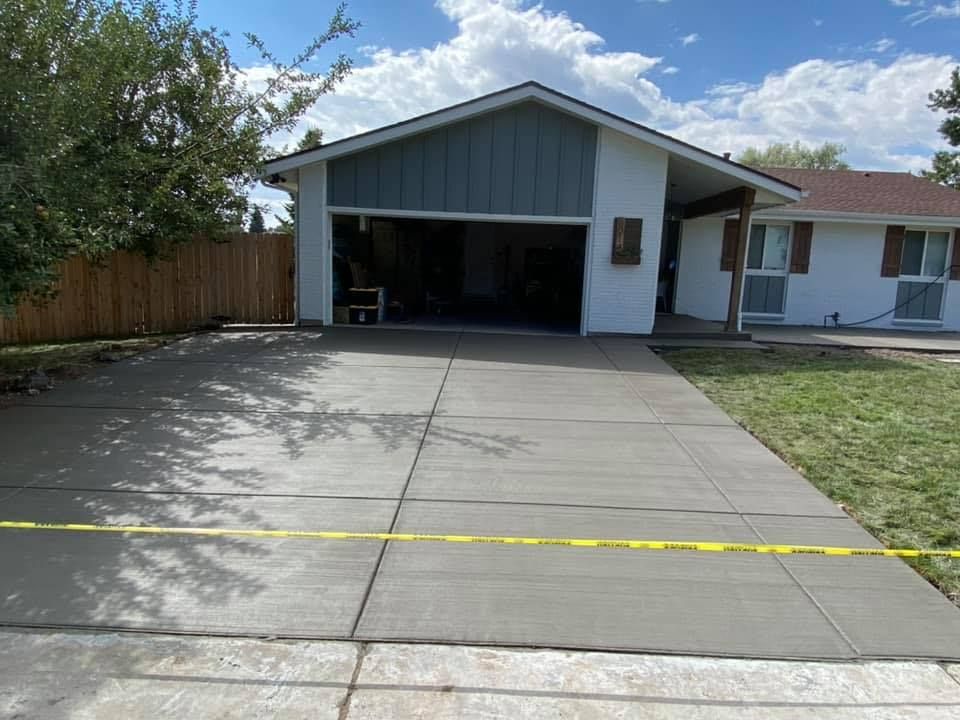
[[451, 273]]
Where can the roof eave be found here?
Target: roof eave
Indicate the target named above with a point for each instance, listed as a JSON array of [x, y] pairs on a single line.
[[789, 213], [540, 93]]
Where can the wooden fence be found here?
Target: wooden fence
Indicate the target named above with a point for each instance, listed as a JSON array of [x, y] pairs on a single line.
[[247, 278]]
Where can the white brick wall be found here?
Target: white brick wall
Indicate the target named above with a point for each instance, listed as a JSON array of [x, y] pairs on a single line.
[[313, 268], [631, 182], [703, 290], [844, 277]]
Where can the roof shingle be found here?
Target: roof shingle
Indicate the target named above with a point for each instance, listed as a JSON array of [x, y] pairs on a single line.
[[869, 191]]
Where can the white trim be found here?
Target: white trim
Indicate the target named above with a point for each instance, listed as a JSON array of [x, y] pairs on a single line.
[[465, 216], [298, 218], [548, 97], [327, 304], [858, 217], [918, 322], [588, 245]]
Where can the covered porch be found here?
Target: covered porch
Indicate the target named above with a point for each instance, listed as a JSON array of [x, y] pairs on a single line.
[[695, 191]]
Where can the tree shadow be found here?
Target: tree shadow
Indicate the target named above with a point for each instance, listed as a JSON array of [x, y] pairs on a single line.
[[297, 442]]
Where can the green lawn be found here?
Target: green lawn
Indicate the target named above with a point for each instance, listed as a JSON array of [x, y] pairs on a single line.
[[879, 433], [69, 357]]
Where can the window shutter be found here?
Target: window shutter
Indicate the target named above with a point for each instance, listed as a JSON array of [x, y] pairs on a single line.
[[955, 259], [728, 251], [802, 238], [892, 251]]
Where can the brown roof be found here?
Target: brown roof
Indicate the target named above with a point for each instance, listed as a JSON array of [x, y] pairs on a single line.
[[869, 191]]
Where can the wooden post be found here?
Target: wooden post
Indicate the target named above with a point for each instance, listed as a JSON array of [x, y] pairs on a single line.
[[736, 280]]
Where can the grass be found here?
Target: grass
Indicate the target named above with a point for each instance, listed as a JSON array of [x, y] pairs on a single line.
[[71, 357], [878, 432]]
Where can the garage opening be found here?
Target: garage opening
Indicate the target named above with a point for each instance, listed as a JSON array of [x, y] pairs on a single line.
[[445, 273]]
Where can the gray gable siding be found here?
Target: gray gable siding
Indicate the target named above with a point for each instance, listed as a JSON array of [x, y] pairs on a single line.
[[522, 160]]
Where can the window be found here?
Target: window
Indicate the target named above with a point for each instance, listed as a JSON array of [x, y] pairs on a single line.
[[765, 280], [922, 272], [767, 249]]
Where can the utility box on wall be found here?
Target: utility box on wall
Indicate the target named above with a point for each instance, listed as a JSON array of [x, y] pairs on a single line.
[[626, 241]]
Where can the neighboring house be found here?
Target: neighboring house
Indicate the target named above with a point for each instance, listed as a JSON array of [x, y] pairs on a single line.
[[857, 243], [528, 201]]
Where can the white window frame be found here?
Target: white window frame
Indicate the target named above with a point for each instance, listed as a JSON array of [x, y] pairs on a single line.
[[923, 260], [942, 280], [785, 273]]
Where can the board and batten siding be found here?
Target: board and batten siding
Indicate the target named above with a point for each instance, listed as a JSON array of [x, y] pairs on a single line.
[[631, 182], [844, 276], [527, 159]]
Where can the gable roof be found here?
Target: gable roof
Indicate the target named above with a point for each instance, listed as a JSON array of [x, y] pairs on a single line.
[[540, 93], [869, 191]]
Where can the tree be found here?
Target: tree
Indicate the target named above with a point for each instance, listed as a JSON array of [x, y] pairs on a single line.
[[824, 157], [256, 221], [311, 139], [125, 125], [946, 163]]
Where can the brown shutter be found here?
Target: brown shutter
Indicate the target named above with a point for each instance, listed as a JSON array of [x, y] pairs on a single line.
[[728, 251], [955, 259], [892, 251], [800, 257]]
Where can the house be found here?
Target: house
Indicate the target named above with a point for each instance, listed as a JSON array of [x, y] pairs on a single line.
[[529, 206]]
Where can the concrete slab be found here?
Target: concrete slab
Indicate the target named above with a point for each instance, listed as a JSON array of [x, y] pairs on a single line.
[[214, 347], [133, 383], [187, 584], [359, 346], [724, 604], [541, 395], [201, 452], [625, 465], [676, 401], [442, 681], [858, 337], [336, 389], [531, 353], [753, 478], [862, 595], [632, 355], [54, 676], [42, 445]]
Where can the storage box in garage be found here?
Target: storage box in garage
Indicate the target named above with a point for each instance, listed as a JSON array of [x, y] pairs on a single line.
[[363, 314], [366, 296]]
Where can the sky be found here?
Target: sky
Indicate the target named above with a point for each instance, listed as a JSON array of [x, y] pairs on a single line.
[[722, 74]]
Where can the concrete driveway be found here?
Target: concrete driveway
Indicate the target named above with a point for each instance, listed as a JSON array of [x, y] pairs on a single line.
[[356, 429]]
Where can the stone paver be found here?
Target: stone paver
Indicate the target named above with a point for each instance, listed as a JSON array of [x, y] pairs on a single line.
[[433, 681], [81, 676]]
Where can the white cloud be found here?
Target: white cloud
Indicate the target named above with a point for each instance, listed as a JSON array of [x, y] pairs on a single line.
[[875, 107], [670, 70], [883, 44], [950, 11], [904, 3], [872, 108], [690, 39], [817, 22]]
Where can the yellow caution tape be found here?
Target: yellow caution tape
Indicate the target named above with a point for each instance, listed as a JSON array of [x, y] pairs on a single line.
[[487, 540]]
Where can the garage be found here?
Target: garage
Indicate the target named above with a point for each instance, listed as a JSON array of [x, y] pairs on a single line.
[[522, 210], [427, 273]]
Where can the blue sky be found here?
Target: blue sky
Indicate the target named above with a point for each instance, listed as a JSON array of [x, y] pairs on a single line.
[[721, 74]]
